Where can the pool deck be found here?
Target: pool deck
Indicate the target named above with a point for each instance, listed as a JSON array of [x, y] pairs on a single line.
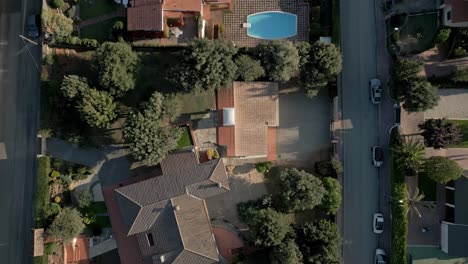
[[242, 8]]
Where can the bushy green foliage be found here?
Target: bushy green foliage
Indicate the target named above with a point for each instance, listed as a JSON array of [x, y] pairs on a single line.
[[162, 106], [331, 201], [74, 40], [324, 63], [205, 65], [404, 72], [263, 166], [330, 167], [56, 23], [40, 260], [49, 248], [440, 133], [279, 58], [408, 155], [83, 198], [56, 3], [442, 35], [73, 86], [442, 169], [42, 189], [303, 49], [67, 224], [244, 208], [299, 190], [286, 253], [319, 242], [97, 108], [118, 25], [268, 227], [249, 69], [459, 76], [116, 64], [420, 96]]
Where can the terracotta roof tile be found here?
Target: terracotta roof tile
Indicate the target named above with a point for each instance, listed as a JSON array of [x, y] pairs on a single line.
[[183, 5], [459, 10], [148, 17]]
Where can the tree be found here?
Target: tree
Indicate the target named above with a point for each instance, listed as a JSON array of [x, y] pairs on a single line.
[[404, 72], [442, 169], [440, 133], [324, 63], [73, 86], [249, 69], [299, 190], [116, 64], [420, 96], [161, 106], [205, 65], [97, 108], [414, 200], [332, 199], [83, 198], [303, 49], [149, 142], [56, 23], [57, 3], [319, 243], [267, 227], [286, 253], [279, 58], [118, 25], [67, 224], [442, 36], [409, 156]]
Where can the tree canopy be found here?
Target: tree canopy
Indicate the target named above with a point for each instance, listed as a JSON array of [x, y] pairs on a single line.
[[268, 227], [67, 224], [319, 243], [73, 86], [299, 190], [442, 169], [286, 253], [420, 96], [205, 65], [332, 199], [116, 64], [97, 108], [83, 198], [279, 58], [409, 156], [249, 69], [56, 23], [440, 133]]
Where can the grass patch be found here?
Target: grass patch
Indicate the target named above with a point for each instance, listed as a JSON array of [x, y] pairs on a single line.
[[463, 125], [196, 103], [99, 31], [419, 32], [336, 22], [95, 8], [428, 187], [185, 139]]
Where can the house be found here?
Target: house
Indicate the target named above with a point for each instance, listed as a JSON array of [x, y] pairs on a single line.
[[248, 114], [165, 216], [153, 15], [455, 13]]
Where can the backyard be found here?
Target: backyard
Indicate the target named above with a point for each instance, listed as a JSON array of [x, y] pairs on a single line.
[[94, 8], [463, 125], [99, 31], [418, 33], [185, 139]]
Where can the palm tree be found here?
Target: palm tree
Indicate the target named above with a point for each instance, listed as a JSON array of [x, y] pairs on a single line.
[[414, 199], [409, 156]]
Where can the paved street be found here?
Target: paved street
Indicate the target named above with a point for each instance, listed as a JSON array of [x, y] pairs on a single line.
[[19, 104]]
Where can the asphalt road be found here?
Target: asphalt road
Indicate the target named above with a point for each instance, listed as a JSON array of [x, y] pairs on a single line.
[[19, 104]]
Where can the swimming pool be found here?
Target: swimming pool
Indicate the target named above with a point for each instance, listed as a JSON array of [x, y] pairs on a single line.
[[272, 25]]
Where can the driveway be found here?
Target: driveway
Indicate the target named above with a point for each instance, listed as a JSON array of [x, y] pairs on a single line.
[[246, 184], [303, 136]]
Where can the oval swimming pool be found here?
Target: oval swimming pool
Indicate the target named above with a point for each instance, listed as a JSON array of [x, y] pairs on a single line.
[[272, 25]]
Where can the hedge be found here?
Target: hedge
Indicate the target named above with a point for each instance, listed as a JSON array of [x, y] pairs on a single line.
[[399, 210], [74, 40], [42, 185]]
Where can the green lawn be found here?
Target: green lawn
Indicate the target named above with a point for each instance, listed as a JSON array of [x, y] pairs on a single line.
[[185, 139], [94, 8], [419, 32], [463, 125], [196, 103], [99, 31], [428, 187]]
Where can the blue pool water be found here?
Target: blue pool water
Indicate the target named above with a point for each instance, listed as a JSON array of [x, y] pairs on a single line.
[[272, 25]]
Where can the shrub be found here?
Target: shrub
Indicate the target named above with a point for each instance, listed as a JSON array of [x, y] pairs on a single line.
[[83, 198], [286, 253], [442, 35], [330, 167], [67, 224], [41, 260], [49, 248], [249, 69], [442, 169], [459, 52], [57, 199], [332, 199], [244, 208], [268, 227], [54, 174], [57, 3], [279, 58], [263, 166], [42, 187], [118, 25]]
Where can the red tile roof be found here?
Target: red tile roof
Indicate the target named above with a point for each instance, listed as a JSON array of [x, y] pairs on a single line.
[[225, 135], [228, 242], [78, 253], [145, 16], [183, 5], [459, 10]]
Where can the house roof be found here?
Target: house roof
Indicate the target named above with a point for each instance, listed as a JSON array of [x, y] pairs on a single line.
[[183, 5], [457, 246], [171, 207], [452, 105], [461, 201], [459, 10], [145, 15]]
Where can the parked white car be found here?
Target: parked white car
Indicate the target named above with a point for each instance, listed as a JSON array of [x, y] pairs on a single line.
[[375, 91], [380, 257], [377, 156], [378, 223]]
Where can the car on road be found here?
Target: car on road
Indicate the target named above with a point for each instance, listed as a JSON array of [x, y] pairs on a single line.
[[380, 256], [377, 156], [33, 32], [378, 223], [375, 91]]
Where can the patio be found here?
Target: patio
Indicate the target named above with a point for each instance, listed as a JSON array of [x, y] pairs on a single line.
[[242, 8]]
